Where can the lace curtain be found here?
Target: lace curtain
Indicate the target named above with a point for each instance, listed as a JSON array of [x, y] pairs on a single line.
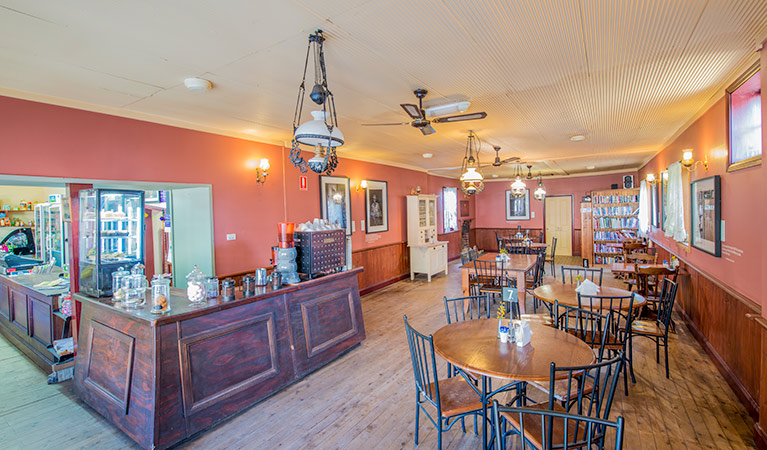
[[644, 209], [674, 221]]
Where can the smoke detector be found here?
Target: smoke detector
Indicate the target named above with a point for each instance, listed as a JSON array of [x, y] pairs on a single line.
[[198, 84]]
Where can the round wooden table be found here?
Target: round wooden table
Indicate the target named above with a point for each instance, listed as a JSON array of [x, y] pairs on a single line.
[[566, 295], [473, 346]]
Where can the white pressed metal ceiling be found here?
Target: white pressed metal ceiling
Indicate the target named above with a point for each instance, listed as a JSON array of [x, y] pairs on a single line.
[[628, 74]]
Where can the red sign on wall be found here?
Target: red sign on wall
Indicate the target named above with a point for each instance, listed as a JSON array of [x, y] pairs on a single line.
[[302, 183]]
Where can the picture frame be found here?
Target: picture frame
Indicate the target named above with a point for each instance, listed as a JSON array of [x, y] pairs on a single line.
[[518, 208], [335, 201], [743, 126], [628, 181], [464, 208], [663, 199], [706, 215], [376, 207], [654, 205]]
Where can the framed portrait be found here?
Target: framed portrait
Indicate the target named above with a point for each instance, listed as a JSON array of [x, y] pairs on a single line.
[[335, 201], [518, 208], [663, 199], [654, 205], [376, 207], [744, 120], [705, 202], [449, 209], [464, 208], [628, 181]]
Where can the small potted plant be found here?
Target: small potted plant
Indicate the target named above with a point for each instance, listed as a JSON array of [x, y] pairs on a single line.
[[501, 314]]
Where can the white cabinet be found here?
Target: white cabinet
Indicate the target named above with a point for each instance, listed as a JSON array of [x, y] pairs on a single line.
[[427, 254]]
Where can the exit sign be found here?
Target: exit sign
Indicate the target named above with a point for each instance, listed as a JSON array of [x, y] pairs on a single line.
[[302, 183]]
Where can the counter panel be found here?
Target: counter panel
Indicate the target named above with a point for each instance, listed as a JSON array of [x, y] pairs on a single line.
[[5, 302]]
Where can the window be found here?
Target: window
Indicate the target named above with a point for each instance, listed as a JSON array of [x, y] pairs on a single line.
[[450, 209], [745, 120]]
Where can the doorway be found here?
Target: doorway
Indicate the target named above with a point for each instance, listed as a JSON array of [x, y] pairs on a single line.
[[558, 221]]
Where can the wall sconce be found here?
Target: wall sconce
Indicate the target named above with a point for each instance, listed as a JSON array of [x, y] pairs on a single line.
[[690, 163], [651, 178], [362, 185], [262, 171]]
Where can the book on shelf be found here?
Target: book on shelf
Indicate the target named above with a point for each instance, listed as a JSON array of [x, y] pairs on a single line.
[[615, 211], [616, 198], [616, 222], [614, 235]]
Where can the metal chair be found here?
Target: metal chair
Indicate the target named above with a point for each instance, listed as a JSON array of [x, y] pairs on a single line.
[[591, 391], [656, 330], [551, 259], [455, 308], [452, 399], [590, 273], [491, 277], [621, 318]]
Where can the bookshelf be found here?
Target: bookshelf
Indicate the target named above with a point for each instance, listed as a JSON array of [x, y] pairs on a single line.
[[614, 219]]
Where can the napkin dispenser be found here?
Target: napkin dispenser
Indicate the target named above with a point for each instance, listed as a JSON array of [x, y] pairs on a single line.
[[588, 287], [522, 333]]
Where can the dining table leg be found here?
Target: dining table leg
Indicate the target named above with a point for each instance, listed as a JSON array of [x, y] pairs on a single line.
[[465, 282], [521, 291], [484, 411]]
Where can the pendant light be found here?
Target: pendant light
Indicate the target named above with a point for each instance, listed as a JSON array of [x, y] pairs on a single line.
[[518, 187], [472, 180], [540, 191], [321, 133]]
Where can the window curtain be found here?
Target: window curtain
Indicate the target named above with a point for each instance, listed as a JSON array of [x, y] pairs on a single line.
[[674, 221], [644, 209]]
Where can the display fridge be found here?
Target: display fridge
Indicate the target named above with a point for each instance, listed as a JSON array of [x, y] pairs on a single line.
[[51, 233], [111, 236]]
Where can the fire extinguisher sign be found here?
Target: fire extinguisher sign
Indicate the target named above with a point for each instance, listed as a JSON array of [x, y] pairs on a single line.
[[302, 183]]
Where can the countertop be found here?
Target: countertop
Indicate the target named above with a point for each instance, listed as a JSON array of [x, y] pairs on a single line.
[[30, 280]]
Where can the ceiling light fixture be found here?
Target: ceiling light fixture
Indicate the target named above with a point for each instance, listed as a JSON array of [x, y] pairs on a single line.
[[472, 180], [495, 175], [447, 108], [427, 155], [689, 163], [198, 84], [322, 132], [651, 178], [577, 137], [591, 167], [518, 187], [540, 191]]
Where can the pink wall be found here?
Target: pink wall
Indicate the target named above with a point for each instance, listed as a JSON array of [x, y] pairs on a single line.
[[763, 177], [491, 208], [46, 140], [742, 191]]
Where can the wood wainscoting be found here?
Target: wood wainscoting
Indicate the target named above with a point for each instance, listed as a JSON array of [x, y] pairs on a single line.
[[721, 321], [577, 236], [485, 237]]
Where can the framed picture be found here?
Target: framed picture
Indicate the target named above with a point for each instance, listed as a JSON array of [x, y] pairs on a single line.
[[449, 209], [705, 202], [654, 205], [464, 208], [518, 208], [744, 120], [334, 201], [663, 199], [628, 181], [377, 207]]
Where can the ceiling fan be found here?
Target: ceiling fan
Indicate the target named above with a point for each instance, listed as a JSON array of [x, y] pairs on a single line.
[[419, 116], [498, 162]]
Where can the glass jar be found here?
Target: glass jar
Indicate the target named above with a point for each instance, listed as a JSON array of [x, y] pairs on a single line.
[[117, 282], [195, 286], [227, 289], [211, 287], [160, 294]]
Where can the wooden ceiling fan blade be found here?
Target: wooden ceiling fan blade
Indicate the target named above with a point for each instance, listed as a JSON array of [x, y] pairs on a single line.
[[461, 117], [512, 159], [384, 124], [412, 110], [427, 130]]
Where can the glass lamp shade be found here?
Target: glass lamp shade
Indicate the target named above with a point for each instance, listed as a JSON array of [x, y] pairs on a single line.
[[315, 132], [472, 187], [264, 164], [687, 158], [471, 175], [518, 188], [540, 192]]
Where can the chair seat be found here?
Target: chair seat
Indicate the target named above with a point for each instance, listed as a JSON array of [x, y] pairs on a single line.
[[489, 288], [457, 396], [534, 430], [646, 327], [549, 259], [560, 389]]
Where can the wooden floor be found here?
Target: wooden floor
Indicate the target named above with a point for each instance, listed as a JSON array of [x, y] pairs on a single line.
[[366, 398]]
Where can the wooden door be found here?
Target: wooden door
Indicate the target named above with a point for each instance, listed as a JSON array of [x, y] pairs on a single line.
[[558, 217]]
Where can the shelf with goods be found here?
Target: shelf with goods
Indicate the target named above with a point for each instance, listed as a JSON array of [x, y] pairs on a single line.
[[613, 220]]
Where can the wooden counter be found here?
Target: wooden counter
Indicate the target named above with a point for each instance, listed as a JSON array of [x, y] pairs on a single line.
[[30, 317], [160, 379]]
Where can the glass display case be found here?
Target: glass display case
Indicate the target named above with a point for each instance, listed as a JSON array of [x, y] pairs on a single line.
[[50, 233], [111, 236]]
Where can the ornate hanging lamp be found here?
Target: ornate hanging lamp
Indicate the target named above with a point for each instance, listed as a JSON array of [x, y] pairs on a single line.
[[472, 180], [518, 187], [320, 134], [540, 191]]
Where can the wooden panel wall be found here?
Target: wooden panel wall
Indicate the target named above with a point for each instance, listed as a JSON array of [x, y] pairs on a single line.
[[718, 319], [383, 265], [577, 236], [453, 244], [485, 237]]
